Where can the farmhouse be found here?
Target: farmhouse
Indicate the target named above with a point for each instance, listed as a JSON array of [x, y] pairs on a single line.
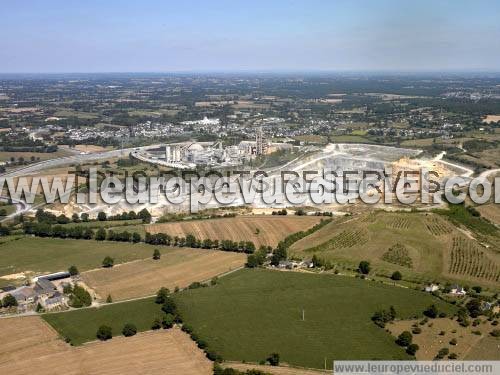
[[43, 292], [457, 290]]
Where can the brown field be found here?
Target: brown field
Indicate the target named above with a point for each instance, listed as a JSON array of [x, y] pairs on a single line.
[[260, 230], [491, 118], [30, 345], [178, 267], [92, 148], [490, 211], [469, 345], [280, 370]]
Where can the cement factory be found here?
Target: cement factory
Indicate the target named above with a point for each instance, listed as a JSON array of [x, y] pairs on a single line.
[[189, 155]]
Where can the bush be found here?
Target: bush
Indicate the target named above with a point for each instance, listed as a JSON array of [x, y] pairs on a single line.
[[442, 353], [156, 324], [129, 329], [108, 262], [156, 254], [104, 333], [452, 356], [364, 267], [453, 341], [396, 276], [274, 359], [495, 333], [416, 330], [73, 271]]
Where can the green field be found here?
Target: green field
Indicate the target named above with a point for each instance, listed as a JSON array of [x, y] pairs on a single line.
[[252, 313], [38, 255], [81, 325], [107, 224]]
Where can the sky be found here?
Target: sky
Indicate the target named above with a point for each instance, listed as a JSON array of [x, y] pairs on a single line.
[[49, 36]]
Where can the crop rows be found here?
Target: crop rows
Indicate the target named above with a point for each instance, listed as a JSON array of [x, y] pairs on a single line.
[[398, 254], [468, 259], [437, 227], [343, 240], [400, 223]]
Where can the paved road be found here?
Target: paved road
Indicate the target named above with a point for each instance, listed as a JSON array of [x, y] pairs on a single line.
[[73, 159]]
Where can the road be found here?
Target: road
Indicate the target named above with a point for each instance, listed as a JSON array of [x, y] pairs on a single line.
[[73, 159]]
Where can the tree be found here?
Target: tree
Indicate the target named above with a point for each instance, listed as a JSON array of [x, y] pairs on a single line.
[[162, 295], [100, 234], [108, 262], [477, 289], [73, 271], [404, 339], [104, 333], [156, 254], [431, 312], [167, 321], [144, 215], [136, 237], [101, 216], [129, 330], [274, 359], [412, 349], [364, 267], [84, 217], [109, 299], [474, 307], [396, 276], [169, 306], [9, 301]]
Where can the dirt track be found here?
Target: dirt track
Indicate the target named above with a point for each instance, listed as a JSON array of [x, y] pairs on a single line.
[[31, 346]]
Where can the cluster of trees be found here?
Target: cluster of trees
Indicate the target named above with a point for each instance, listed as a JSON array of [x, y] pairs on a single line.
[[259, 257], [282, 212], [382, 317], [78, 296], [172, 217], [302, 212], [247, 247], [42, 216], [57, 231], [405, 339], [143, 214], [218, 370]]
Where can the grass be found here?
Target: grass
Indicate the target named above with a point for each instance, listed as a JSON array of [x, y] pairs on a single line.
[[40, 255], [252, 313], [107, 224], [81, 326]]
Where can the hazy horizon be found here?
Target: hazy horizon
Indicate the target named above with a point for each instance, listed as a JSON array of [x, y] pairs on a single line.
[[162, 37]]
